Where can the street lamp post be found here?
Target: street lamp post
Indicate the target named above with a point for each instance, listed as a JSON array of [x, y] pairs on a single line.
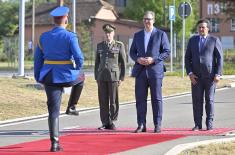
[[33, 23], [21, 37], [74, 16]]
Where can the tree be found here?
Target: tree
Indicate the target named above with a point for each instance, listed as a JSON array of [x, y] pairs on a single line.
[[84, 39], [136, 8], [9, 18], [190, 23], [229, 6], [8, 23]]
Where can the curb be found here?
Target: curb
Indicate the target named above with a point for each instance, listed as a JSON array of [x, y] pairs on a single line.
[[231, 85], [38, 117], [181, 147]]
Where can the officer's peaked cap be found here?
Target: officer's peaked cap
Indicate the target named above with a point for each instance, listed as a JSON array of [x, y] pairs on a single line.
[[108, 27], [60, 11]]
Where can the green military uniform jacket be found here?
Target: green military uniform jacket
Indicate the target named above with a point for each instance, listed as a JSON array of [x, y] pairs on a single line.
[[110, 61]]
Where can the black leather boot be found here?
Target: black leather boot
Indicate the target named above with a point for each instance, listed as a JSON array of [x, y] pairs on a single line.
[[54, 134], [73, 99]]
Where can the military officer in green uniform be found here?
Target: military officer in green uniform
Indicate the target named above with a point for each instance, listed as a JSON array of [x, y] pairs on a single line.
[[110, 65]]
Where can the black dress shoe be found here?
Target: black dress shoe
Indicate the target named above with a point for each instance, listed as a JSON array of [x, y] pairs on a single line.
[[209, 128], [157, 129], [196, 128], [72, 111], [111, 127], [55, 147], [107, 127], [103, 127], [140, 129]]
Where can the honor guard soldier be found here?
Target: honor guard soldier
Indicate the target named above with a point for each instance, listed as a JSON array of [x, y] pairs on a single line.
[[58, 60], [110, 65]]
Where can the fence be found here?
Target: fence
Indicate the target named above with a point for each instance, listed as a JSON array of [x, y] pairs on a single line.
[[10, 52]]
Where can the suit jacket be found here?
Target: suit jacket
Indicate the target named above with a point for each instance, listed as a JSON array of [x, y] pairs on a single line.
[[110, 61], [55, 53], [207, 62], [158, 48]]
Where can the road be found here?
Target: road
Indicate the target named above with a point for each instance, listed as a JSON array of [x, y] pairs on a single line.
[[177, 114]]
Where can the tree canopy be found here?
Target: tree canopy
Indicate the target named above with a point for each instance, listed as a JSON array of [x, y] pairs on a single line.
[[9, 18], [229, 6], [136, 8]]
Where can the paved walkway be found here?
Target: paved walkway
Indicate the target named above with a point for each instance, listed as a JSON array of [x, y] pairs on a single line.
[[177, 114]]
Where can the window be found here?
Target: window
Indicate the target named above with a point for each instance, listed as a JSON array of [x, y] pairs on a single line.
[[120, 3], [214, 24], [233, 24]]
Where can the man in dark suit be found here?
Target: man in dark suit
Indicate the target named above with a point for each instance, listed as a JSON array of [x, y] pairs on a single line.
[[110, 65], [149, 49], [204, 62]]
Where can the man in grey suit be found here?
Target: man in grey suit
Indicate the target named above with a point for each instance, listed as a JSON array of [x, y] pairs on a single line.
[[110, 65], [204, 63]]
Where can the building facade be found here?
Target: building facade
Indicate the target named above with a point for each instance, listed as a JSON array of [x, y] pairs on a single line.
[[222, 25]]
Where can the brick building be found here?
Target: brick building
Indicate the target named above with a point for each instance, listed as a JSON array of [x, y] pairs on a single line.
[[221, 24]]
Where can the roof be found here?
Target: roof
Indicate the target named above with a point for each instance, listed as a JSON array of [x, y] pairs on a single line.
[[84, 10]]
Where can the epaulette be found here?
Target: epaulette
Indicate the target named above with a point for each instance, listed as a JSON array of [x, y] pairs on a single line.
[[119, 42], [72, 32]]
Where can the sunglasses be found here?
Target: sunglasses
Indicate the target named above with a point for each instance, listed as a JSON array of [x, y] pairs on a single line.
[[147, 19], [202, 27]]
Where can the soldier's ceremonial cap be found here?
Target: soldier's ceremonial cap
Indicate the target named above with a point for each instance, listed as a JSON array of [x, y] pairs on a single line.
[[59, 11], [108, 27]]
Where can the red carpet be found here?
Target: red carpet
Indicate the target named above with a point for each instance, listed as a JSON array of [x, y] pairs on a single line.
[[89, 144], [94, 142]]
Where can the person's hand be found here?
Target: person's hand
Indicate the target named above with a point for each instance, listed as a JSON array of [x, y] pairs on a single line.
[[119, 82], [81, 77], [149, 60], [145, 61], [216, 78], [142, 61], [193, 78]]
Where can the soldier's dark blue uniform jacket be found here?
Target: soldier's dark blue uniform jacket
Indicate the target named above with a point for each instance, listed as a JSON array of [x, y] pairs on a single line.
[[58, 52]]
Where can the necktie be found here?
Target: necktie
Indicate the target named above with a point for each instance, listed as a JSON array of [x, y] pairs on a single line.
[[202, 41], [109, 45]]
